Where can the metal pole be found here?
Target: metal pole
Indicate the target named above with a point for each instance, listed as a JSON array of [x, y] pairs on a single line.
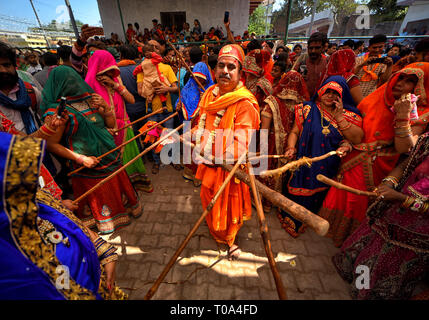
[[40, 25], [313, 13], [73, 22], [122, 20], [266, 17], [289, 11]]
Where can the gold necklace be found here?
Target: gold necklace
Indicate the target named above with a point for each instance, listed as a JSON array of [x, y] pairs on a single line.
[[325, 129]]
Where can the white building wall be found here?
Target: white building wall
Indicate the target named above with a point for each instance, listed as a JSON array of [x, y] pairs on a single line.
[[209, 12], [419, 10]]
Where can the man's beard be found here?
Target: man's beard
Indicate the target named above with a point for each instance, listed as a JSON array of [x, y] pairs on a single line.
[[8, 80]]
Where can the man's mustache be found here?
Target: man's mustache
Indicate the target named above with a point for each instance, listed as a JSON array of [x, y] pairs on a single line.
[[225, 76]]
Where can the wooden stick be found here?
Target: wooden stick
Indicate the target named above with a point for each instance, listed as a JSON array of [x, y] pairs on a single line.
[[138, 120], [341, 186], [126, 142], [263, 228], [296, 164], [173, 259], [127, 165], [186, 65], [318, 224]]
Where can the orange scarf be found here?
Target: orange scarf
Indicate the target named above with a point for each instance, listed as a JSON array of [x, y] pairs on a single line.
[[125, 62], [369, 74], [211, 104]]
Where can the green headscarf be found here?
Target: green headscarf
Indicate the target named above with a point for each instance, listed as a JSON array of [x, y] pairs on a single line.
[[86, 132], [64, 81]]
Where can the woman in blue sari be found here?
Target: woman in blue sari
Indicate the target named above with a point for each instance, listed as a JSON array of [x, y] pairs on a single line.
[[328, 122], [47, 253], [189, 99]]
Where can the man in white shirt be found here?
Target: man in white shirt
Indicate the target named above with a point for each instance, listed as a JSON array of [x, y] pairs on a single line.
[[33, 60]]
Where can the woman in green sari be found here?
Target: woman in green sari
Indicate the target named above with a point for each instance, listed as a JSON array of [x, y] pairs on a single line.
[[81, 140]]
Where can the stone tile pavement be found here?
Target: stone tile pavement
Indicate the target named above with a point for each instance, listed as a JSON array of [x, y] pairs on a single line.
[[203, 271]]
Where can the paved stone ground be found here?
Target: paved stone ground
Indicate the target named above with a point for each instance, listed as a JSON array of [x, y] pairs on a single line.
[[203, 271]]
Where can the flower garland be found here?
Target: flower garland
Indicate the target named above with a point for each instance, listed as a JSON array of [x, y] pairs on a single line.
[[211, 139]]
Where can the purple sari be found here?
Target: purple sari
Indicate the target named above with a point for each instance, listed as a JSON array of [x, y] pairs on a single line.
[[393, 241]]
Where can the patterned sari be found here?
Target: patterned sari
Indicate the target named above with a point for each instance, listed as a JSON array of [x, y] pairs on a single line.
[[279, 107], [372, 159], [100, 62], [393, 242], [255, 64], [303, 187], [32, 257], [109, 206]]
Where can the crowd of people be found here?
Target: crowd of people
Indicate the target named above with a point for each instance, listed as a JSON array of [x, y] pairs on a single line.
[[367, 103]]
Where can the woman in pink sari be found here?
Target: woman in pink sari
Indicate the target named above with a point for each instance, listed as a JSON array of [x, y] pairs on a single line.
[[104, 78]]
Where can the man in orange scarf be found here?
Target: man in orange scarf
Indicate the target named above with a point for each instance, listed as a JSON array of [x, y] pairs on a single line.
[[227, 105], [371, 74]]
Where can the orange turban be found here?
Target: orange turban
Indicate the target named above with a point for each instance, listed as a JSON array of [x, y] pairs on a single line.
[[232, 50]]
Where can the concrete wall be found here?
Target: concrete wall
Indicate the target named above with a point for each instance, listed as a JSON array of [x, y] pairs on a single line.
[[209, 12], [419, 10]]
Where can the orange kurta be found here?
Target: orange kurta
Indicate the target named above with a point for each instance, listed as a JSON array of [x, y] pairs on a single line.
[[234, 205]]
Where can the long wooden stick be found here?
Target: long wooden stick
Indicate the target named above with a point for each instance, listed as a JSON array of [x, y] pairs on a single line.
[[126, 142], [186, 66], [138, 120], [295, 164], [341, 186], [127, 164], [318, 224], [173, 259], [263, 228]]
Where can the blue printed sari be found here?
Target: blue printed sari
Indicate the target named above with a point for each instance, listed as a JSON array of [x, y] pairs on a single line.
[[190, 95], [302, 186]]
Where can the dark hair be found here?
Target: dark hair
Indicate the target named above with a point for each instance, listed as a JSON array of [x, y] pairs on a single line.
[[97, 44], [8, 53], [358, 44], [155, 20], [130, 24], [332, 44], [349, 43], [128, 52], [216, 49], [282, 57], [405, 52], [270, 44], [378, 38], [280, 64], [136, 25], [280, 47], [195, 54], [318, 37], [254, 44], [397, 45], [50, 59], [212, 61], [422, 45], [64, 52], [297, 45]]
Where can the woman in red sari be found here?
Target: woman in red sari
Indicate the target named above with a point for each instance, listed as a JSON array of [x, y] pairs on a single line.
[[388, 133], [277, 117], [341, 63], [256, 80]]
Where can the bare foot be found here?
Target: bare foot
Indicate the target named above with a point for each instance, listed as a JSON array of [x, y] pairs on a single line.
[[234, 252]]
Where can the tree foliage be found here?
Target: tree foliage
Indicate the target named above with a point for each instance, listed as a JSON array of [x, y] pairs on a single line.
[[258, 22], [386, 10]]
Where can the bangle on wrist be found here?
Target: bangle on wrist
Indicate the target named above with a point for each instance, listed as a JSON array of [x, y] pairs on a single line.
[[391, 179], [47, 131]]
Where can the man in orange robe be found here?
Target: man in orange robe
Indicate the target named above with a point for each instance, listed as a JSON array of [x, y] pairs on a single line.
[[241, 113]]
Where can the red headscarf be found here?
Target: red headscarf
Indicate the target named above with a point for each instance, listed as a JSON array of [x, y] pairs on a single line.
[[292, 86], [341, 63]]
